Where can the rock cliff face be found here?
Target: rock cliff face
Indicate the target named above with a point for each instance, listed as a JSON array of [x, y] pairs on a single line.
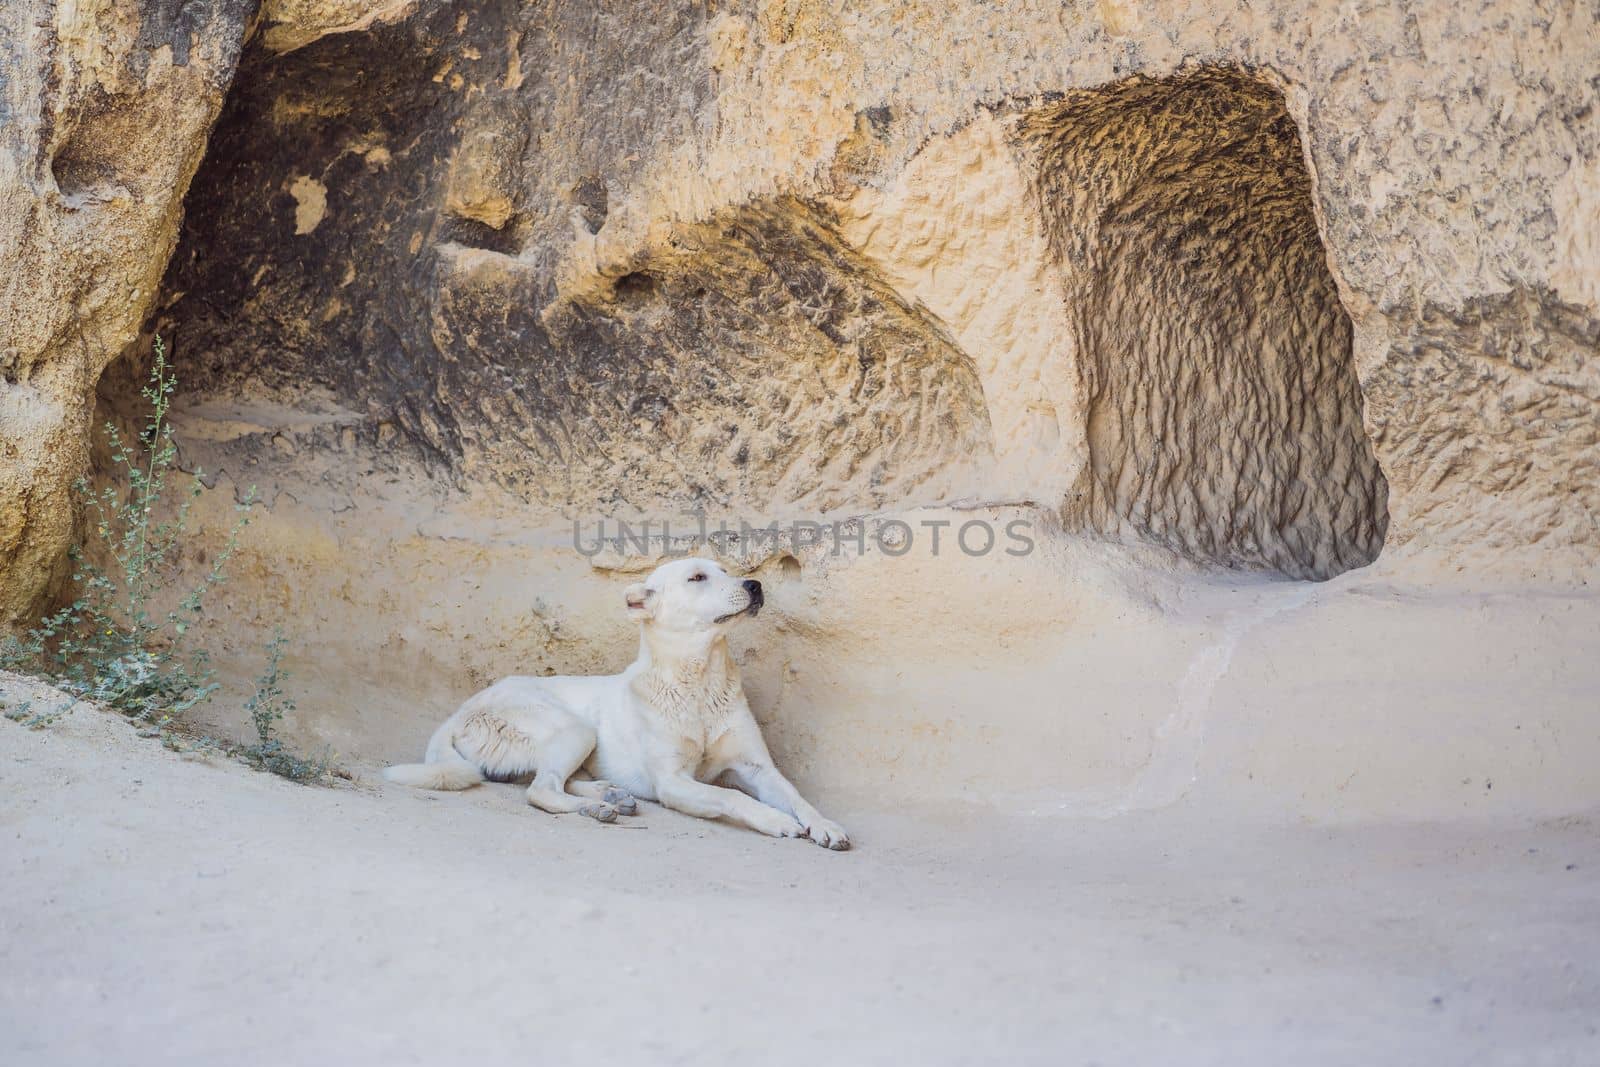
[[390, 230], [104, 111], [1255, 289]]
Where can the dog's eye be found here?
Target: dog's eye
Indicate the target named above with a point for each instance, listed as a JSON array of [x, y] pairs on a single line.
[[697, 577]]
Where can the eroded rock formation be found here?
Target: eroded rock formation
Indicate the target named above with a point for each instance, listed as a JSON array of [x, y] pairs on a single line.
[[1223, 416], [1280, 290], [104, 111], [521, 241], [754, 359], [520, 237]]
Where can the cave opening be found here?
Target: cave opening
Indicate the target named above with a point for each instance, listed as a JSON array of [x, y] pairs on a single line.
[[1224, 417], [365, 237]]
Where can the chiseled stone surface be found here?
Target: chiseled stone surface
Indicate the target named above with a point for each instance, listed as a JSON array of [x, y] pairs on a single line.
[[1223, 416], [104, 110], [1329, 289]]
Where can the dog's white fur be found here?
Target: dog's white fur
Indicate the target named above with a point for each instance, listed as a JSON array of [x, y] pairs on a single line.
[[665, 729]]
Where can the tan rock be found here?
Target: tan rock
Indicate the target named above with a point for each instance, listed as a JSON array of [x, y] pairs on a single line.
[[1210, 293], [107, 106]]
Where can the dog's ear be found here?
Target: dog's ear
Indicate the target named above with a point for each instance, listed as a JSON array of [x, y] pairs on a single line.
[[639, 606]]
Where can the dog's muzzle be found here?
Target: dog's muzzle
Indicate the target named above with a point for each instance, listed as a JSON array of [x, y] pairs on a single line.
[[752, 589]]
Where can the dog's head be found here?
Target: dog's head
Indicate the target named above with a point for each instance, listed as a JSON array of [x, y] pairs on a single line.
[[692, 595]]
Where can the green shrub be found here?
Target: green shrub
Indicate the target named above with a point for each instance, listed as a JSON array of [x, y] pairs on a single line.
[[110, 644], [267, 709]]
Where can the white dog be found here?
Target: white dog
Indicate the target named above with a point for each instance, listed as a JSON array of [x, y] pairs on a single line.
[[664, 729]]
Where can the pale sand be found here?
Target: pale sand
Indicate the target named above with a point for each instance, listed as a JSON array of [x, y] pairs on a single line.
[[163, 910]]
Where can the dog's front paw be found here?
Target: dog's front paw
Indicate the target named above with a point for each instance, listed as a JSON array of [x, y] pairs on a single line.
[[599, 812], [775, 823], [622, 800], [828, 834]]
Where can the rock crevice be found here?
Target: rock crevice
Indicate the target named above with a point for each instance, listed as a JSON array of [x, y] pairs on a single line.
[[1223, 413]]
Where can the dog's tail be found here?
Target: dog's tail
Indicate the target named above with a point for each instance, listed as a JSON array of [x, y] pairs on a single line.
[[443, 766]]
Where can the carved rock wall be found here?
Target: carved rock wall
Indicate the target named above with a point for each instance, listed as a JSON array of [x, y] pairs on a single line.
[[1165, 270], [1233, 287], [1223, 415], [386, 231], [104, 110]]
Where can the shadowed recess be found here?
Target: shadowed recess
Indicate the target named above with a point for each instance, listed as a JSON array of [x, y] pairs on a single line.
[[1224, 414], [363, 229]]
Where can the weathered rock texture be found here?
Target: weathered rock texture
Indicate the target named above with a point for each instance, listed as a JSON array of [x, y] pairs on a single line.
[[1223, 414], [524, 241], [522, 237], [387, 230], [1239, 288], [104, 110]]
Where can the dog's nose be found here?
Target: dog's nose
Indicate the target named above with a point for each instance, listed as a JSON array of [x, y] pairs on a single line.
[[753, 587]]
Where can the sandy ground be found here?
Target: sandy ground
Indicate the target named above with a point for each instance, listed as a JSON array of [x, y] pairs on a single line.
[[167, 910]]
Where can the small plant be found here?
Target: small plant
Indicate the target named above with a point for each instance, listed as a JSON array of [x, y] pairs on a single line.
[[37, 720], [267, 708], [110, 644], [269, 704]]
